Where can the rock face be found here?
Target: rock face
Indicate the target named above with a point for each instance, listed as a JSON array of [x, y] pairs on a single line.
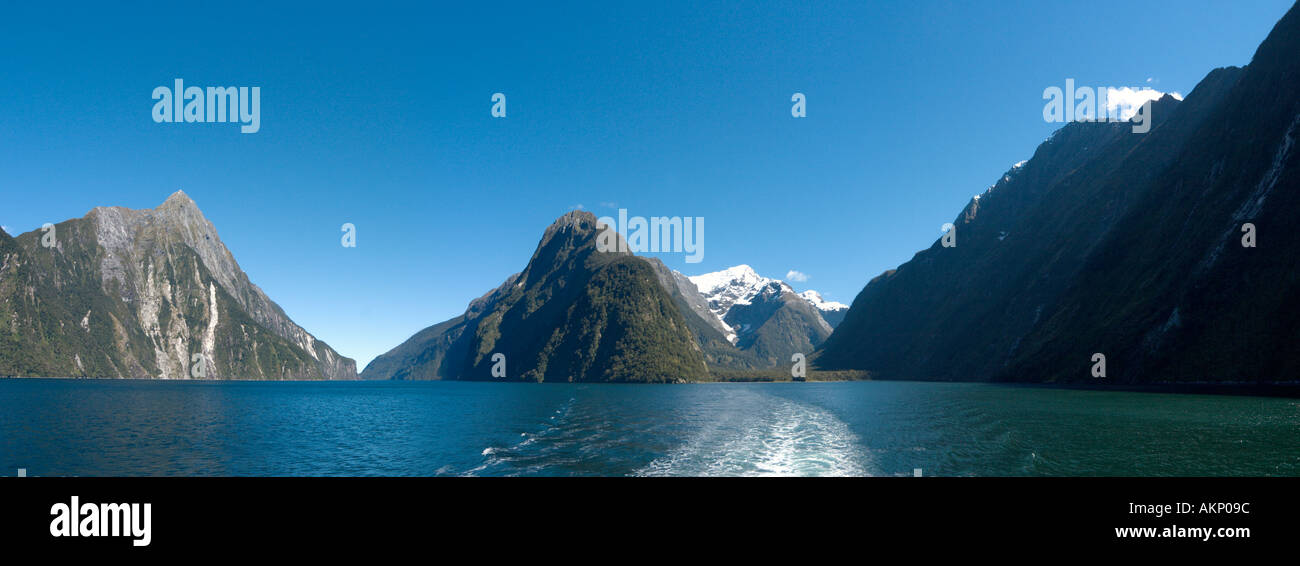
[[1122, 244], [573, 314], [711, 333], [146, 294]]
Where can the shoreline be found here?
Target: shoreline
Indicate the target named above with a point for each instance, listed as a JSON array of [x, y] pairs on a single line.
[[1288, 389]]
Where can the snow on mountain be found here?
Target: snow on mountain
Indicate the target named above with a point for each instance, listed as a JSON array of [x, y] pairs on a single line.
[[740, 285], [831, 311], [815, 299], [733, 285], [727, 288]]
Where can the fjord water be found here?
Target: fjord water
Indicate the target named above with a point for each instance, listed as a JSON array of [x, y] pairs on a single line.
[[122, 428]]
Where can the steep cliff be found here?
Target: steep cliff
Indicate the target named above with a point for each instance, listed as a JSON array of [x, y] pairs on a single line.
[[145, 294]]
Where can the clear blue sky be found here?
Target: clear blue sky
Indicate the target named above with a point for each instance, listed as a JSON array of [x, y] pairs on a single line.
[[381, 117]]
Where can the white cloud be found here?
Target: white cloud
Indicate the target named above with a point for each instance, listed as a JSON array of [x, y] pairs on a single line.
[[576, 207], [796, 276], [1125, 102]]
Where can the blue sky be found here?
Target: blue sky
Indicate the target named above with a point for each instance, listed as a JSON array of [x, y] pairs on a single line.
[[381, 118]]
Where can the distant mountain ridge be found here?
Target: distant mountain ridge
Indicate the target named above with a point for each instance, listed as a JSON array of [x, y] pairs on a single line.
[[676, 334], [141, 293], [831, 311]]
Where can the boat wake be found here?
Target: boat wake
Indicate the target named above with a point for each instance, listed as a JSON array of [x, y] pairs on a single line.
[[500, 459], [792, 439]]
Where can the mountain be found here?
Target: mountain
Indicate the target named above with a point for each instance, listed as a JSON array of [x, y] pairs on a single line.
[[573, 314], [1115, 243], [141, 293], [831, 311], [763, 316], [713, 336], [724, 289]]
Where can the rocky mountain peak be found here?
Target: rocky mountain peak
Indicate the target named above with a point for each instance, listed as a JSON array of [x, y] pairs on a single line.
[[744, 301], [150, 289], [572, 228], [576, 220], [178, 199], [735, 285], [573, 314]]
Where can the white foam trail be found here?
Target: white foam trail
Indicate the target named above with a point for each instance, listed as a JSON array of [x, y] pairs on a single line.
[[792, 439], [494, 455]]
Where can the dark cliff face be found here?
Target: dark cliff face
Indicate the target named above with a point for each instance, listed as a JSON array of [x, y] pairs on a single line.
[[1115, 243], [573, 314], [141, 293]]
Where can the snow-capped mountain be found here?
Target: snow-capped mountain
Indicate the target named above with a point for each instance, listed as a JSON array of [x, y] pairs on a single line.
[[832, 311], [729, 287], [822, 304], [739, 285], [766, 314]]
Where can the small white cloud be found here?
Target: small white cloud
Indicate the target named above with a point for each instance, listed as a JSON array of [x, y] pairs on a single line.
[[1126, 101], [576, 207], [609, 204], [796, 276], [1149, 79]]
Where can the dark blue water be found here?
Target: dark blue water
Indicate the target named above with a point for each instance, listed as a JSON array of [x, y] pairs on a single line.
[[101, 428]]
